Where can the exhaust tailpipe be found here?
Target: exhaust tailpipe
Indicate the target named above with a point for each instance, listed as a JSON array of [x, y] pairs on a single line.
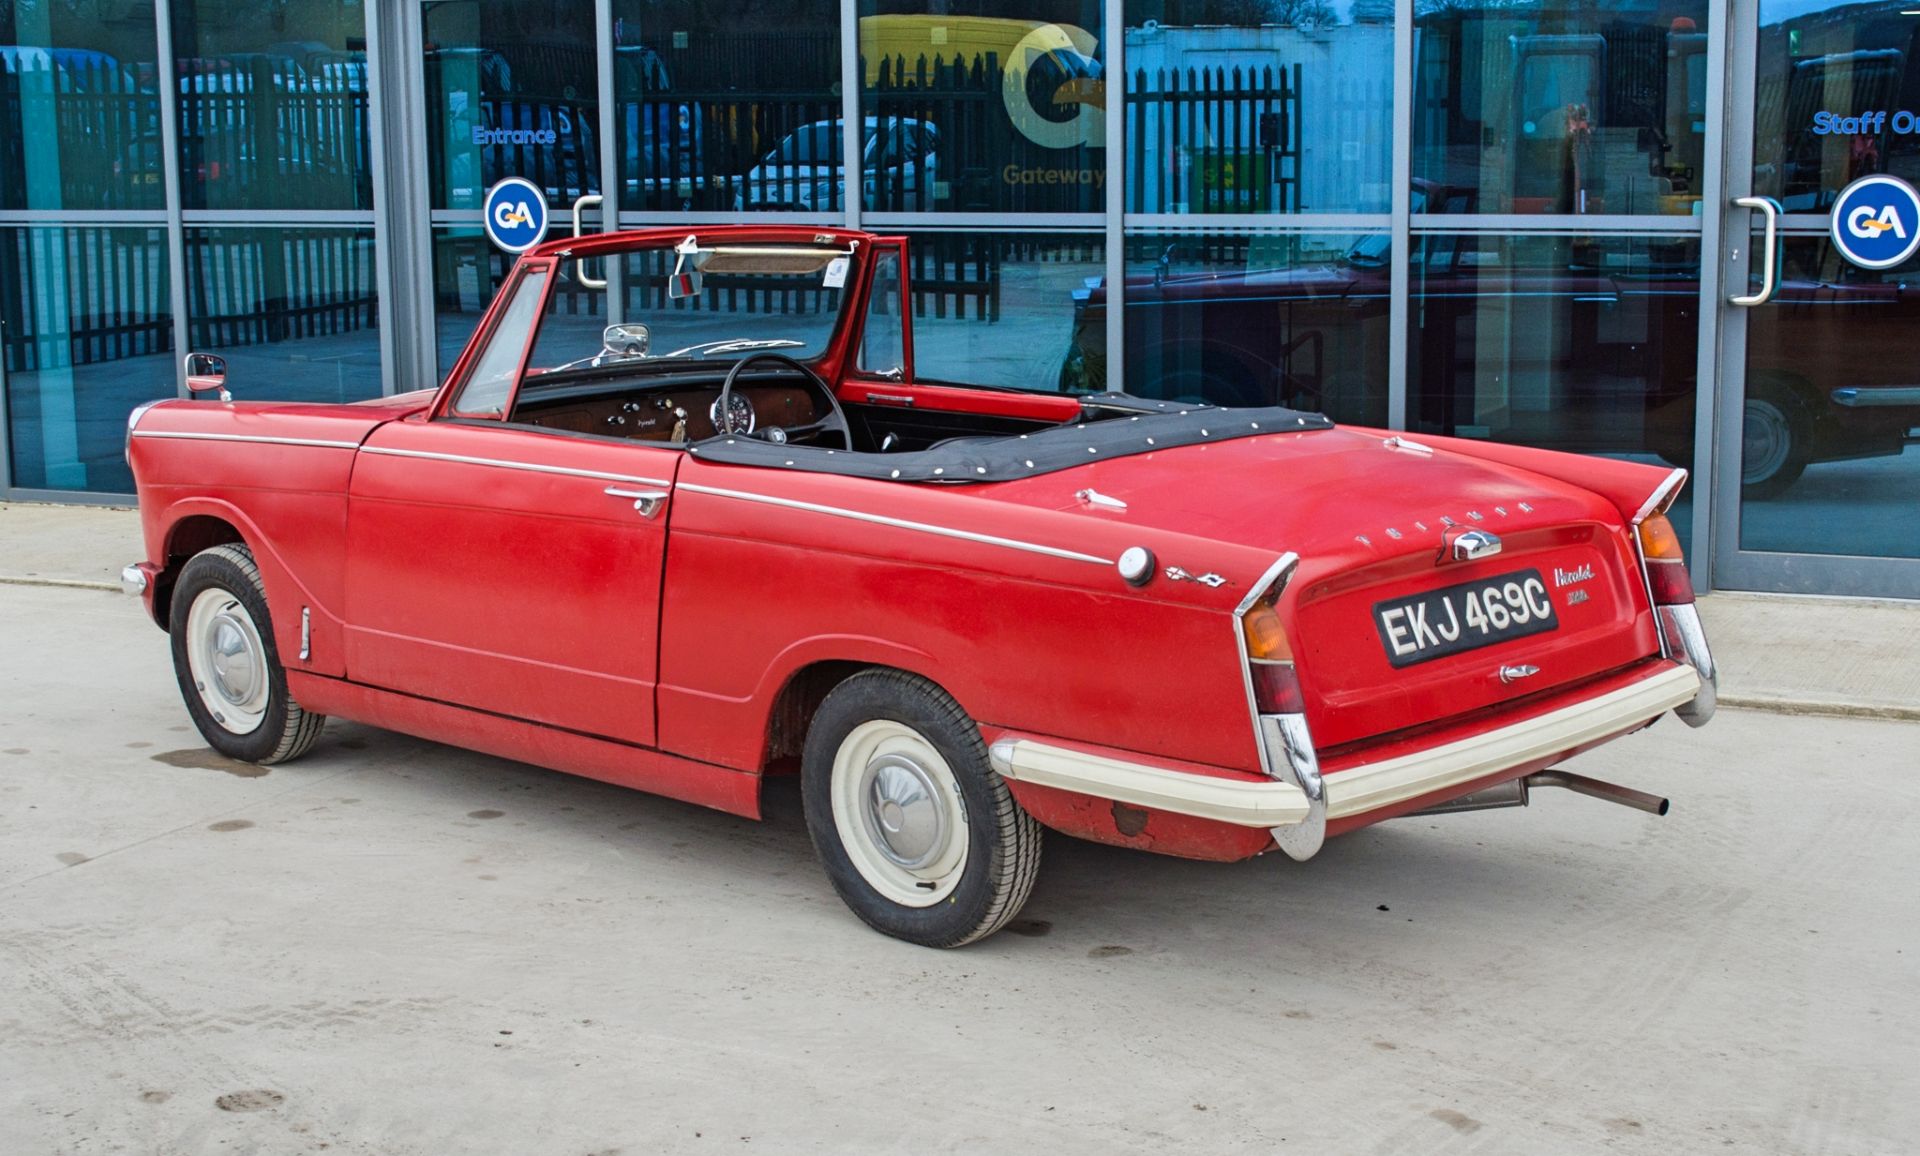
[[1514, 793], [1611, 792]]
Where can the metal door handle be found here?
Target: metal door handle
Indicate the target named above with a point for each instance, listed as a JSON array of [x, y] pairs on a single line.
[[1771, 211], [580, 265], [646, 502]]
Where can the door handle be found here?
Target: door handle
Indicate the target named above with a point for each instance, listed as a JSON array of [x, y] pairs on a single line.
[[646, 502], [580, 265], [1771, 211]]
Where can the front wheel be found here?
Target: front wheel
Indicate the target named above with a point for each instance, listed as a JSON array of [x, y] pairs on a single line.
[[227, 664], [919, 836]]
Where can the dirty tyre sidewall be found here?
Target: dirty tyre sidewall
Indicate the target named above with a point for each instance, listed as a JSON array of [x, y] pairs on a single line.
[[286, 730], [1003, 842]]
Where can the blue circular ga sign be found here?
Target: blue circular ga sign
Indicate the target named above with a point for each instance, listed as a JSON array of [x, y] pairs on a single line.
[[1876, 222], [516, 214]]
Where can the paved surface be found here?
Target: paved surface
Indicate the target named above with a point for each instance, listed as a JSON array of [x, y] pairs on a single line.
[[393, 947], [1833, 655]]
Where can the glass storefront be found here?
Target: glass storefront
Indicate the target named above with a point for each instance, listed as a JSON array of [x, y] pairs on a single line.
[[1540, 223]]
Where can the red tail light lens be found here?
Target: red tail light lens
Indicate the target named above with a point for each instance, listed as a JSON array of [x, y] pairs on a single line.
[[1276, 688], [1666, 567]]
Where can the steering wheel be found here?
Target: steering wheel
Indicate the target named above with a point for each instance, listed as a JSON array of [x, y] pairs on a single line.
[[834, 422]]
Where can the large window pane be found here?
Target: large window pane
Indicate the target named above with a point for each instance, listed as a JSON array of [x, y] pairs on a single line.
[[732, 105], [1003, 309], [1585, 344], [1273, 106], [511, 92], [1837, 97], [273, 104], [1560, 107], [293, 310], [1250, 319], [1830, 458], [983, 105], [88, 331], [79, 112]]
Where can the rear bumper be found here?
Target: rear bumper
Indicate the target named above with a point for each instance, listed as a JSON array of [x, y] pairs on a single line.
[[1298, 801]]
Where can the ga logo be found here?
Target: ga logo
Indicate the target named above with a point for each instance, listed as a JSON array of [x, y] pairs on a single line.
[[1876, 222], [515, 213]]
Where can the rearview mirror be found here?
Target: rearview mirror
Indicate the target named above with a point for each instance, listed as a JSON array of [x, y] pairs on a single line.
[[686, 281], [628, 340], [207, 373]]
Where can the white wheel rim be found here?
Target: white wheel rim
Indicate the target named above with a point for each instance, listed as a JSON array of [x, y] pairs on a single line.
[[227, 660], [898, 812]]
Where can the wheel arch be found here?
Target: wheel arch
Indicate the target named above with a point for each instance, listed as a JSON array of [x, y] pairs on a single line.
[[186, 537]]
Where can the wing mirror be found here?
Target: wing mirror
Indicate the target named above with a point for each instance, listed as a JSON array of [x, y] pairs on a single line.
[[628, 340], [207, 373]]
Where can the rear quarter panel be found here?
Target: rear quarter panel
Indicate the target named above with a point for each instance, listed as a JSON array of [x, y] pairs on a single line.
[[1025, 641]]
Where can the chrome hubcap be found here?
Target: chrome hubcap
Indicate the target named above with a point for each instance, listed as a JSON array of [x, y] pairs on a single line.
[[904, 813], [230, 654]]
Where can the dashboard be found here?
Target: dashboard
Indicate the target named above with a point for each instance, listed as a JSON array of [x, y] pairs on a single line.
[[655, 414]]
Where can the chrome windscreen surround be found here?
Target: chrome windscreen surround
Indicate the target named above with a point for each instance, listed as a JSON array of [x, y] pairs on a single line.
[[1285, 746], [1685, 640]]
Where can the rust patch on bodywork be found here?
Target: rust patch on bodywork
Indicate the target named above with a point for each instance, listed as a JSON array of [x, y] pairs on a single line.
[[1129, 821]]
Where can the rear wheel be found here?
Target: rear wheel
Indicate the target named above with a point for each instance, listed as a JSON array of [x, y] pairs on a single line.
[[1774, 441], [227, 665], [918, 835]]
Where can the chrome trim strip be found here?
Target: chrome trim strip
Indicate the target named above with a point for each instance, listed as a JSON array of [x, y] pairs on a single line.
[[1874, 395], [1371, 786], [261, 439], [1660, 492], [1283, 564], [898, 523], [1241, 802], [1291, 744], [530, 467]]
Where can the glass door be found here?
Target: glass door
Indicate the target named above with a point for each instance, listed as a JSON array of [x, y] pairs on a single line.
[[1819, 439]]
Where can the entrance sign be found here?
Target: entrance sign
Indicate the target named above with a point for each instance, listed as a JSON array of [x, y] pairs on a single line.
[[1876, 222], [515, 213]]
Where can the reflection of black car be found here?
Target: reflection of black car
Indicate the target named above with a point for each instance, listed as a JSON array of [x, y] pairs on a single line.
[[1592, 350]]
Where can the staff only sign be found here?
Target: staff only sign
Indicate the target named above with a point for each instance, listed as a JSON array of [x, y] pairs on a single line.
[[1876, 222], [515, 212]]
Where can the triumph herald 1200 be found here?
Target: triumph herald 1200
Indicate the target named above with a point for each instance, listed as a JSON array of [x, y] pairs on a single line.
[[735, 534]]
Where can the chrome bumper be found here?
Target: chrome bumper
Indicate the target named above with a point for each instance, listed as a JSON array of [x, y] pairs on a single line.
[[1297, 802], [133, 581], [1686, 641]]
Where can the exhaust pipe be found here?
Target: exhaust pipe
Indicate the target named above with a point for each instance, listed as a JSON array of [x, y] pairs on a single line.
[[1514, 793], [1594, 788]]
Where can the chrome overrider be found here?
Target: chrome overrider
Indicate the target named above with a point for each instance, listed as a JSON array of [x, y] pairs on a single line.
[[1686, 641], [133, 581], [1286, 746]]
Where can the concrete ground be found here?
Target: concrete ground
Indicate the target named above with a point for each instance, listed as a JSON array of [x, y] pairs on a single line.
[[394, 947]]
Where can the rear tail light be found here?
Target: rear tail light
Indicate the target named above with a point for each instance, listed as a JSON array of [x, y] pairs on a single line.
[[1276, 688], [1666, 567]]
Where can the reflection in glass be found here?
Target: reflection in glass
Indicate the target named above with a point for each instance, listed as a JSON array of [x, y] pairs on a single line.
[[1561, 107], [1002, 309], [722, 110], [1586, 344], [1830, 453], [1268, 107], [1831, 84], [293, 310], [88, 335], [78, 102], [983, 105], [1249, 319], [510, 93], [271, 118], [467, 272]]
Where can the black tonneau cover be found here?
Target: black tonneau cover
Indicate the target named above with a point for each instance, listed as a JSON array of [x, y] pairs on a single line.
[[1116, 426]]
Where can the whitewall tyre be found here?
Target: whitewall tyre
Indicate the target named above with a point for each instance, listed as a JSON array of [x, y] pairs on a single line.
[[918, 835], [227, 664]]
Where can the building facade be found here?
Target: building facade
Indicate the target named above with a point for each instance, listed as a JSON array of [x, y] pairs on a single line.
[[1594, 226]]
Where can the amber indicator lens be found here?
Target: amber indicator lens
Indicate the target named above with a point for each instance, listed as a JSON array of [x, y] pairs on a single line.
[[1266, 638], [1666, 567]]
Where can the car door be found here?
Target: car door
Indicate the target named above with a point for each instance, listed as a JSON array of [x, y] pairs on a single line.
[[509, 569]]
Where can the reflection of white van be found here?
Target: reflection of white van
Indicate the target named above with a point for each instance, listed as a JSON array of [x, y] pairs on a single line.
[[802, 173]]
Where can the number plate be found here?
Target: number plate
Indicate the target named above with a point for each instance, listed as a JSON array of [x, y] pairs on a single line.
[[1422, 627]]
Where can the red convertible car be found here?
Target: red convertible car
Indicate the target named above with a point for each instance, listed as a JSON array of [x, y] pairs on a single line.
[[744, 538]]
